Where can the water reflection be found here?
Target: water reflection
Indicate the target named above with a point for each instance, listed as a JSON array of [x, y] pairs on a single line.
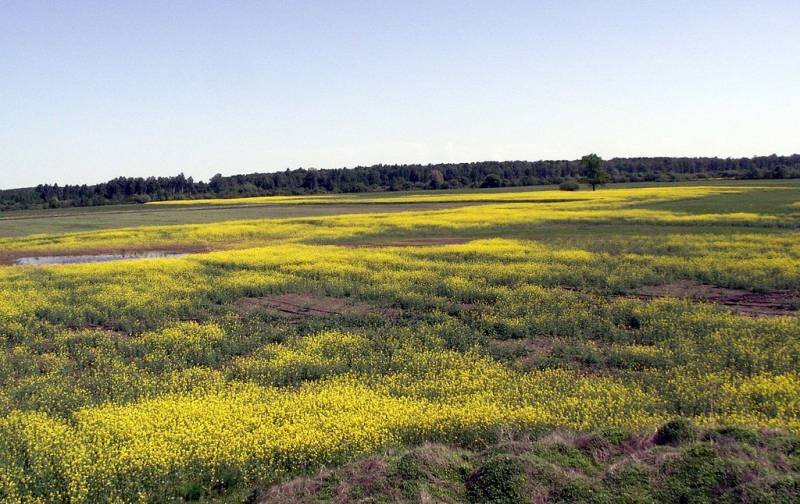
[[74, 259]]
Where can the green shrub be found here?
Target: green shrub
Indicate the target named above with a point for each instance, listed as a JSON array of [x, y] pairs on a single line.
[[615, 435], [701, 475], [630, 482], [778, 489], [740, 434], [408, 468], [577, 489], [569, 185], [604, 442], [675, 432], [566, 456], [499, 480]]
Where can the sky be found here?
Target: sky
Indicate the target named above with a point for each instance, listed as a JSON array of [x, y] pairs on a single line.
[[94, 90]]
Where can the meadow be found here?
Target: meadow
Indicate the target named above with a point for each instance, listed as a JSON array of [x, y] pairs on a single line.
[[279, 347]]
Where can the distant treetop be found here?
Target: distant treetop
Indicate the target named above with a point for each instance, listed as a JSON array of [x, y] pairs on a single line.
[[590, 169]]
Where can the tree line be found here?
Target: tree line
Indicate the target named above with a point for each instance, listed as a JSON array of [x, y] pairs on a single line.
[[384, 177]]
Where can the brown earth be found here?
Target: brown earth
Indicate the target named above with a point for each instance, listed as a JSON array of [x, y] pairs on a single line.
[[775, 302], [299, 306], [525, 352], [354, 482]]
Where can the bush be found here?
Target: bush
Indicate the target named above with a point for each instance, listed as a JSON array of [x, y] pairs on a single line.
[[569, 185], [701, 475], [566, 456], [631, 482], [615, 435], [499, 480], [675, 432], [739, 434], [772, 489]]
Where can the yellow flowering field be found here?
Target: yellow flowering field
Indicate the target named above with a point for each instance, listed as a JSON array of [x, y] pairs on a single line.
[[276, 347]]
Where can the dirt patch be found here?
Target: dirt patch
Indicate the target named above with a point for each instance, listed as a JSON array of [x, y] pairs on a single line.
[[689, 289], [354, 482], [428, 241], [524, 352], [104, 254], [470, 307], [776, 302], [300, 306]]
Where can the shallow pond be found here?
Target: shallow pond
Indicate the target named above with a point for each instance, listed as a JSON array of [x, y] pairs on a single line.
[[75, 259]]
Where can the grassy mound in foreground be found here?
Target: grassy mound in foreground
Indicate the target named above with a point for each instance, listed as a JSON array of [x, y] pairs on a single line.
[[678, 464]]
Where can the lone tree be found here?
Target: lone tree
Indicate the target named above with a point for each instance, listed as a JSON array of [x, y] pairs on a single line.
[[593, 172]]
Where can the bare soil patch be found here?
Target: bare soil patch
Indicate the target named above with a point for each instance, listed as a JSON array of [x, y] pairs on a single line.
[[354, 482], [299, 306], [525, 352], [426, 241], [776, 302]]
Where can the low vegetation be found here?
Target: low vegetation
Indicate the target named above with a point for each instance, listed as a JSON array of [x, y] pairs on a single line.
[[496, 352], [714, 465]]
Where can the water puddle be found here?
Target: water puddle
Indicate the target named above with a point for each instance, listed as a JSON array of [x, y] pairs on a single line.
[[77, 259]]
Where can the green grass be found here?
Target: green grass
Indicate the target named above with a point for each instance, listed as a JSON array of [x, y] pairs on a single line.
[[769, 201], [68, 220]]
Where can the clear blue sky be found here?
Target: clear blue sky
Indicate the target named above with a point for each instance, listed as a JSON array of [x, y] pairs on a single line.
[[93, 90]]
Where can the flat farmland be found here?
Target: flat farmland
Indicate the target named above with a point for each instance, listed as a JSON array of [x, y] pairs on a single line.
[[26, 222], [640, 341]]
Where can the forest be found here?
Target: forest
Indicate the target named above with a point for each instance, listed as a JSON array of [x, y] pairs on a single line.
[[385, 177]]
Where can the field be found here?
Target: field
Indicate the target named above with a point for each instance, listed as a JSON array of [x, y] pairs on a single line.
[[633, 344]]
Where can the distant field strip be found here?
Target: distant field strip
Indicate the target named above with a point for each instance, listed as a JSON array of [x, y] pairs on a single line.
[[517, 219], [518, 196]]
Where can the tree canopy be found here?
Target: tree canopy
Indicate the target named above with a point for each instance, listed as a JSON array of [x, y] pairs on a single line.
[[383, 177], [592, 171]]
